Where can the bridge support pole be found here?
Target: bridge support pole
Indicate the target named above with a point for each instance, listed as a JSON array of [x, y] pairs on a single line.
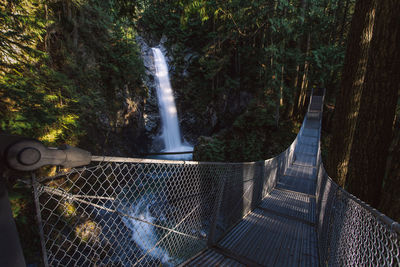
[[10, 248], [217, 206], [39, 219]]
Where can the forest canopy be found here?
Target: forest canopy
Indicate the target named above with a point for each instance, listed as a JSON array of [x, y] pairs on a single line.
[[61, 63]]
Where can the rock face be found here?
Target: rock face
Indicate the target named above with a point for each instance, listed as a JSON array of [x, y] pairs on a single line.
[[152, 120], [121, 133], [179, 60]]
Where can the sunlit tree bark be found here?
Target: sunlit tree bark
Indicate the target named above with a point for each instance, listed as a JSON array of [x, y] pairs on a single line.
[[298, 78], [304, 81], [348, 96], [373, 131]]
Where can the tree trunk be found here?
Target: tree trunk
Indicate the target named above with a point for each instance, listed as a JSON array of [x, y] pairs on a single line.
[[333, 36], [296, 95], [344, 20], [390, 201], [373, 133], [330, 84], [304, 84], [46, 36], [348, 96]]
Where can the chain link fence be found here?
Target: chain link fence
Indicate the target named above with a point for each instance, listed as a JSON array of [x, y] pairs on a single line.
[[141, 212], [134, 212], [351, 233]]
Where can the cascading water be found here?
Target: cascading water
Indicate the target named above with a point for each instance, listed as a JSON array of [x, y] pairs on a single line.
[[144, 234], [169, 117]]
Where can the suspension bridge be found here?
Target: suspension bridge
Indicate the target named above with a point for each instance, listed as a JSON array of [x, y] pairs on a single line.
[[284, 211]]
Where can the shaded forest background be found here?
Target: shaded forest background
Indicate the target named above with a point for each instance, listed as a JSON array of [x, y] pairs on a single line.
[[71, 72]]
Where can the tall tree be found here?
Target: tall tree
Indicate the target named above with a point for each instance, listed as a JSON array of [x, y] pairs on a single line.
[[298, 80], [373, 132], [390, 200], [348, 96]]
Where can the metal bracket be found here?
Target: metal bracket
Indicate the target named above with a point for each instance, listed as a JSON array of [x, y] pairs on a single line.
[[29, 155]]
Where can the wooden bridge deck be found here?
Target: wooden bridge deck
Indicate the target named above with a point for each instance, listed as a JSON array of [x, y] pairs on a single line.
[[281, 231]]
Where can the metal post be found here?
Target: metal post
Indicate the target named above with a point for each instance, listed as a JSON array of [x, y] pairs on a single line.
[[259, 182], [39, 219], [217, 206], [10, 248]]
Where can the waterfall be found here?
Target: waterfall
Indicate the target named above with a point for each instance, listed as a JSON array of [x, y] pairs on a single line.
[[144, 234], [171, 134]]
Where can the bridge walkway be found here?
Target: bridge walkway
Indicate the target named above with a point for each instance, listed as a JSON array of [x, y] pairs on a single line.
[[281, 231]]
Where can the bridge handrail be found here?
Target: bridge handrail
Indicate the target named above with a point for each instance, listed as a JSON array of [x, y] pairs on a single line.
[[350, 232], [244, 185], [395, 226], [337, 243]]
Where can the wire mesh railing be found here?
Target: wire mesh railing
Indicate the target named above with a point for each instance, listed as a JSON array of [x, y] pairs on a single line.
[[350, 232], [133, 212]]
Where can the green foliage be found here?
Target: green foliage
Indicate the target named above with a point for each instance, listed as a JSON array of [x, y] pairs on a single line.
[[22, 207], [23, 30], [239, 143], [59, 73], [210, 149], [62, 64]]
